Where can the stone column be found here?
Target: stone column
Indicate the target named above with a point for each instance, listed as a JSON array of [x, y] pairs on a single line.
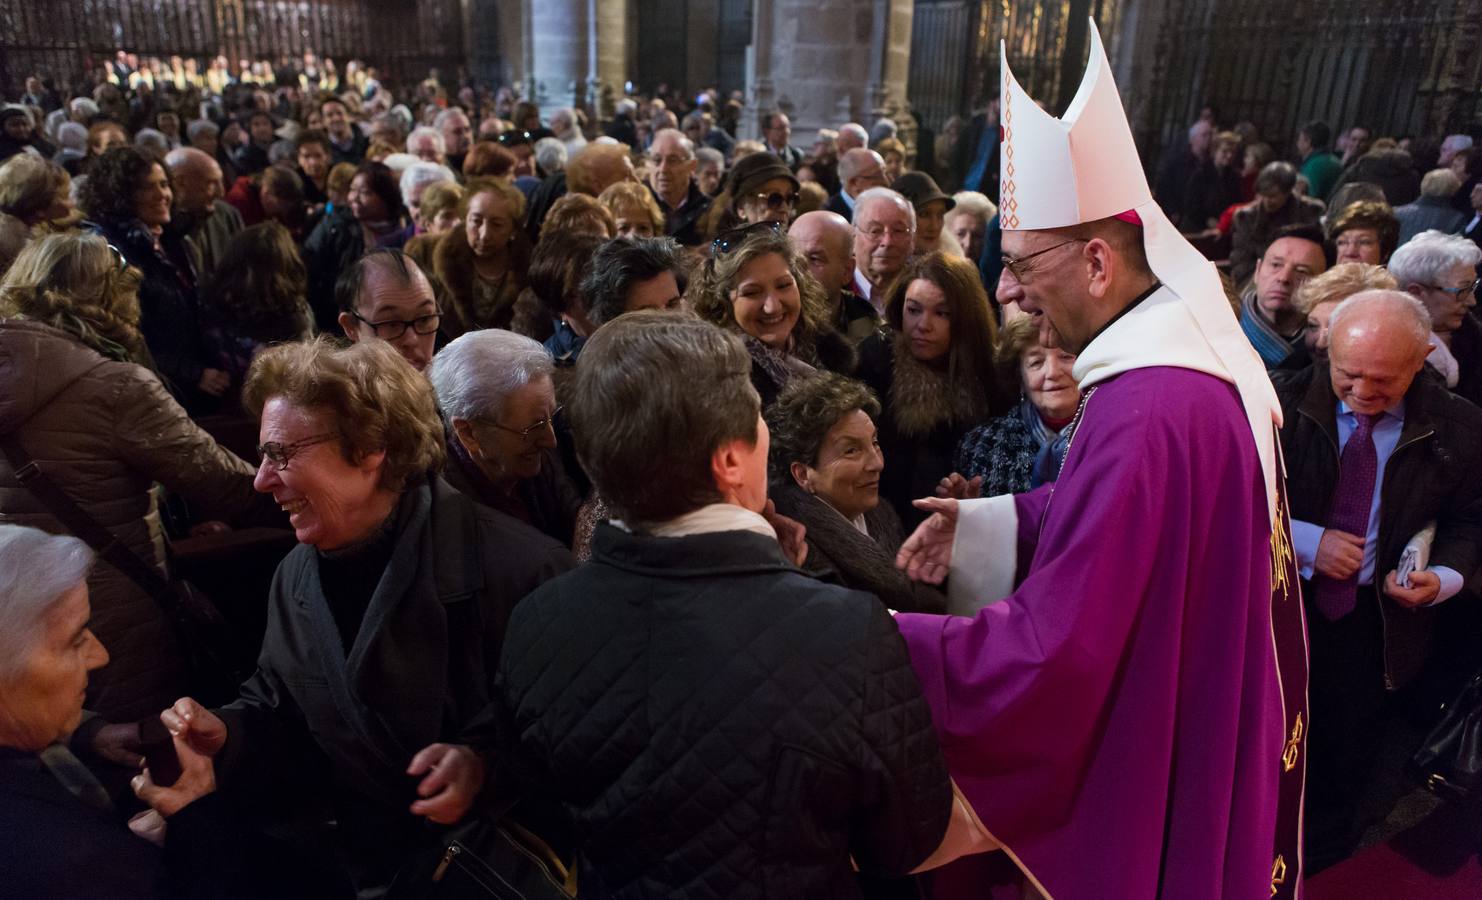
[[578, 51], [826, 62]]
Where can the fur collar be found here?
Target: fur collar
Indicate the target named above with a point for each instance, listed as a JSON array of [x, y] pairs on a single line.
[[923, 398]]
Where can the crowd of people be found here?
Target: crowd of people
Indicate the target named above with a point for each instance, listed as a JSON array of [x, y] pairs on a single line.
[[530, 390]]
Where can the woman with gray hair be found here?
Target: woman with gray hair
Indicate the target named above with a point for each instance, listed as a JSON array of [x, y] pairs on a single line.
[[498, 402], [1440, 270], [62, 833], [715, 722]]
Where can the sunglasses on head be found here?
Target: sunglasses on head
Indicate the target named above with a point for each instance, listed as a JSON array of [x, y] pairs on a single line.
[[516, 138], [730, 240]]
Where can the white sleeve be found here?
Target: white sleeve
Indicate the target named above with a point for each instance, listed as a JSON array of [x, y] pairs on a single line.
[[985, 554]]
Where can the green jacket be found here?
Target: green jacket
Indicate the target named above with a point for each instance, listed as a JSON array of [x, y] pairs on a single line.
[[1321, 169]]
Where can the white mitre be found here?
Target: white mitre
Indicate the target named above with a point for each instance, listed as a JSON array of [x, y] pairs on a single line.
[[1084, 167]]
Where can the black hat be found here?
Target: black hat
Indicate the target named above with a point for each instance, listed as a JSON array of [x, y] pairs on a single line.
[[755, 170], [921, 189]]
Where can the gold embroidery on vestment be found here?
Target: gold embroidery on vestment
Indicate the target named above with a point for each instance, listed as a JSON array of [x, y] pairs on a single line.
[[1289, 756], [1281, 554], [1278, 874]]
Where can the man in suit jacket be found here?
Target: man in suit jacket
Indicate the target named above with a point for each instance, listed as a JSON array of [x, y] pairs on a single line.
[[777, 129], [859, 170]]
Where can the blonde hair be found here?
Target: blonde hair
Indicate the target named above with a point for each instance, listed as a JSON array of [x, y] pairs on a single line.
[[375, 399], [718, 277], [629, 195], [30, 184], [575, 211], [511, 195], [56, 280], [1339, 283], [581, 170], [438, 198]]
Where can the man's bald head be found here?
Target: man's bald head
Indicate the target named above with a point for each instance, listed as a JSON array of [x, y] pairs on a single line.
[[826, 240], [852, 136], [383, 288], [1378, 344], [196, 179]]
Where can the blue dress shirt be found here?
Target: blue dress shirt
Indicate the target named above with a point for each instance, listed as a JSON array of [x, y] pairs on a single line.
[[1306, 536]]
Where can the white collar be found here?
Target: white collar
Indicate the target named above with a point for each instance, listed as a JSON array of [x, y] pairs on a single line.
[[707, 520]]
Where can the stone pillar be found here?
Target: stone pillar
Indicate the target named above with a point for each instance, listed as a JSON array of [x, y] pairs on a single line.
[[820, 59], [578, 51]]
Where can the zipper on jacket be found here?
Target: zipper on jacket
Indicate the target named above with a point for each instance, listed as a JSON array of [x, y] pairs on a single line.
[[1389, 681], [447, 860]]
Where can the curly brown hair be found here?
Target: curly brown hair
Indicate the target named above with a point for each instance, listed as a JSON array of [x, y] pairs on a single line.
[[575, 212], [803, 414], [711, 292], [107, 195], [56, 280], [377, 400]]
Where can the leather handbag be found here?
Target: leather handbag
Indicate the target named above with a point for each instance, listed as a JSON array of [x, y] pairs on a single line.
[[1449, 760], [205, 634]]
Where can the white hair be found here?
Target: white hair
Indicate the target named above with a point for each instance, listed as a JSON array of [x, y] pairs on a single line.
[[853, 160], [626, 105], [1456, 143], [399, 162], [1410, 310], [420, 173], [199, 127], [711, 155], [427, 132], [1424, 257], [882, 129], [446, 116], [883, 195], [857, 131], [550, 155], [85, 107], [36, 569], [73, 136], [685, 144], [476, 373], [973, 202], [153, 143]]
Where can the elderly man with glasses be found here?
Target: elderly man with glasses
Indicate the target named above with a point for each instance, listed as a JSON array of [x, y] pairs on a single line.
[[884, 233], [671, 178], [1440, 270]]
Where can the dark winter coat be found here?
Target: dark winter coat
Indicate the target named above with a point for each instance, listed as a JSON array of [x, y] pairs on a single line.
[[420, 671], [335, 243], [1432, 475], [718, 724]]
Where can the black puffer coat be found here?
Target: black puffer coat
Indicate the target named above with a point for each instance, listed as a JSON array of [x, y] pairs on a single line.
[[720, 725]]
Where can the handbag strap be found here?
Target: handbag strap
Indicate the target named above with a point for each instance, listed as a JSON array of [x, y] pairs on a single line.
[[82, 524]]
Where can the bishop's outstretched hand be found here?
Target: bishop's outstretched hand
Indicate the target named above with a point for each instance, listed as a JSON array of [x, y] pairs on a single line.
[[927, 554]]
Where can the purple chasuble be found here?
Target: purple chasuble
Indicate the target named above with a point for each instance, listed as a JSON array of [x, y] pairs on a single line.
[[1118, 722]]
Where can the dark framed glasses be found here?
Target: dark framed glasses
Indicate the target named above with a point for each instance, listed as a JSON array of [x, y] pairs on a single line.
[[1015, 265], [730, 240], [391, 329], [279, 455], [777, 201]]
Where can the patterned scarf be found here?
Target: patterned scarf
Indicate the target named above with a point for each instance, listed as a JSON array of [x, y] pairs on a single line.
[[1272, 345]]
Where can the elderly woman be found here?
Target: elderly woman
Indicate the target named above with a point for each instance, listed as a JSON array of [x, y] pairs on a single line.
[[756, 283], [1318, 296], [707, 645], [576, 214], [63, 837], [34, 190], [967, 221], [128, 197], [106, 430], [1441, 271], [1364, 232], [757, 189], [634, 210], [483, 260], [499, 403], [385, 624], [825, 465], [1021, 449], [933, 370]]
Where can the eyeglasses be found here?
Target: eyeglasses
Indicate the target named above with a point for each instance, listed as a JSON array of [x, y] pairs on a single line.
[[1014, 264], [515, 138], [548, 422], [1458, 292], [392, 329], [776, 200], [876, 232], [732, 239], [668, 162], [1355, 240], [279, 455], [118, 259]]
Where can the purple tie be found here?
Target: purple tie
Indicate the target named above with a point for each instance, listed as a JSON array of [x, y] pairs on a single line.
[[1357, 469]]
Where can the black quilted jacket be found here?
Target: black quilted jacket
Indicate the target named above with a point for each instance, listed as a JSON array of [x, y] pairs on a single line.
[[720, 725]]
